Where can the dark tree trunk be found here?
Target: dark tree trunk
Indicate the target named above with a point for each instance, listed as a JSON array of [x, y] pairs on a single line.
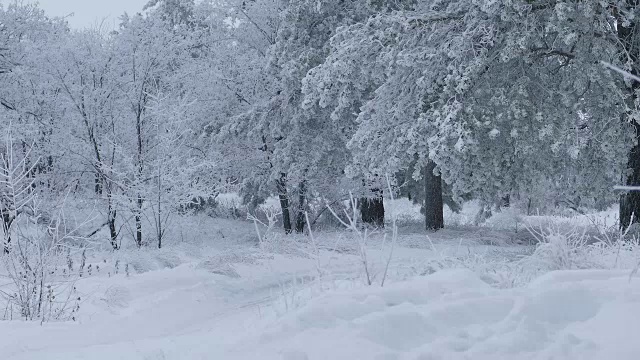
[[138, 216], [160, 230], [49, 170], [111, 222], [7, 220], [281, 185], [139, 222], [433, 204], [630, 201], [372, 209], [505, 202], [300, 213]]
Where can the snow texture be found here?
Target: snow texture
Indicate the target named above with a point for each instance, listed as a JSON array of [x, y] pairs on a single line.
[[195, 312]]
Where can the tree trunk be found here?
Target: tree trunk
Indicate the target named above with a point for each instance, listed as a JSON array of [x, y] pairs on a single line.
[[505, 202], [7, 220], [630, 201], [433, 204], [140, 169], [160, 231], [372, 209], [138, 219], [111, 221], [300, 218], [281, 185]]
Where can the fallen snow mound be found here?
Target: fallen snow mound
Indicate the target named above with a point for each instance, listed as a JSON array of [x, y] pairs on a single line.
[[454, 315]]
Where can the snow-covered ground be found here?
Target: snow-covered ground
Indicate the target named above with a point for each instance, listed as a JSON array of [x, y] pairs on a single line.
[[453, 314], [462, 293]]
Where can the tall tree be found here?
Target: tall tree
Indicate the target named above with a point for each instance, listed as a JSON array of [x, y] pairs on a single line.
[[150, 54], [311, 145], [487, 92], [83, 68], [624, 13]]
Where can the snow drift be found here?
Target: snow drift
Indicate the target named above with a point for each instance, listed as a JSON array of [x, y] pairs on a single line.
[[454, 315]]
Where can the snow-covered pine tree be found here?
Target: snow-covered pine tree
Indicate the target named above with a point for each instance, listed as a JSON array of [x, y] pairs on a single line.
[[501, 96], [311, 145]]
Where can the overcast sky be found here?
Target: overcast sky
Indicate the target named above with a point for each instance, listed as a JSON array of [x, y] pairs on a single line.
[[88, 13]]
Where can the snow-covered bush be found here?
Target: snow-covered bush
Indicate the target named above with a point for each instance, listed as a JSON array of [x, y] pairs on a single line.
[[560, 248], [40, 278], [363, 235], [563, 247], [623, 254], [38, 244], [266, 235], [613, 247], [229, 205]]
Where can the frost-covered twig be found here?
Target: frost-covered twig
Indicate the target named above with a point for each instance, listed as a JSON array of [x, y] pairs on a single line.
[[361, 236], [37, 289], [315, 249], [272, 220], [394, 232], [620, 71]]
